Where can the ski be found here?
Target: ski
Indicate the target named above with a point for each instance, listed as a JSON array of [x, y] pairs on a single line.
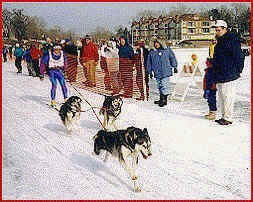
[[57, 108]]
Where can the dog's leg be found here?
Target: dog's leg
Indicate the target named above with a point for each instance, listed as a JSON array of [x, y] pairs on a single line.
[[105, 120], [107, 154], [133, 176], [114, 124]]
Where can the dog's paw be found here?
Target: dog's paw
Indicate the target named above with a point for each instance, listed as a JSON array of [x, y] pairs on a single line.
[[137, 189]]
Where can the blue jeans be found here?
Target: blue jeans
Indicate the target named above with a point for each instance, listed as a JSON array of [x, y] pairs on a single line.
[[163, 85], [54, 75]]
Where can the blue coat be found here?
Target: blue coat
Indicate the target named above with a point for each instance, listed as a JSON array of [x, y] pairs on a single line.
[[27, 56], [226, 58], [161, 62], [19, 52]]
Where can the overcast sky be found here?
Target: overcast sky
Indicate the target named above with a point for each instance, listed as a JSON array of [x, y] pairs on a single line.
[[85, 17]]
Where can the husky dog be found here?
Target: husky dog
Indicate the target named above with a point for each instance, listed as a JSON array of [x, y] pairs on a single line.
[[125, 145], [111, 110], [70, 113]]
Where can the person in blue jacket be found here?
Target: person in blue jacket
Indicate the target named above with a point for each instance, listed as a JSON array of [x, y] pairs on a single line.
[[227, 64], [54, 63], [18, 53], [161, 61], [28, 58]]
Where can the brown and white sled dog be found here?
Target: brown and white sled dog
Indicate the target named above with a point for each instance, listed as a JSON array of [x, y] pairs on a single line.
[[111, 110], [70, 113], [125, 145]]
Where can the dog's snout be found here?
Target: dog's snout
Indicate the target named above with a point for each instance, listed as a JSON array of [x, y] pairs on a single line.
[[149, 154]]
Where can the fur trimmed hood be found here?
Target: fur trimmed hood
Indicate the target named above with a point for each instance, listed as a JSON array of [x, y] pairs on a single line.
[[162, 42]]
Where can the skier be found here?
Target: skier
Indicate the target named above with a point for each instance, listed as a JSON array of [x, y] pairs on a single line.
[[54, 63]]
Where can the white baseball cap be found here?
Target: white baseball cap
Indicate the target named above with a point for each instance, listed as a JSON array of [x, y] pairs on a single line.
[[220, 23]]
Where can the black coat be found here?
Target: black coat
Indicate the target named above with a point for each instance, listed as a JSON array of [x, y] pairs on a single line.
[[226, 60]]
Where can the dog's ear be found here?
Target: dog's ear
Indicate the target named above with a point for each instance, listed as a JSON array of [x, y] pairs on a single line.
[[129, 140], [140, 140]]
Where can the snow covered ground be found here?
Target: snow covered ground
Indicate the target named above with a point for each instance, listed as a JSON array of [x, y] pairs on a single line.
[[193, 158]]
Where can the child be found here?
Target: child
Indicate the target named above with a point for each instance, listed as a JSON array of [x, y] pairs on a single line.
[[188, 68], [210, 90]]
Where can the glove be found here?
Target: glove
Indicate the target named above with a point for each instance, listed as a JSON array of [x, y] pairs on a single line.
[[175, 70], [206, 94], [41, 78]]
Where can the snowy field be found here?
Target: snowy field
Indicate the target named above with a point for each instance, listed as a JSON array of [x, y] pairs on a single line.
[[193, 158]]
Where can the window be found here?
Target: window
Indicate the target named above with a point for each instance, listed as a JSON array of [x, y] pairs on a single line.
[[190, 24], [206, 30], [191, 31], [206, 24]]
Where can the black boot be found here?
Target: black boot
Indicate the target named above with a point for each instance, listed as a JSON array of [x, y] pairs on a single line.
[[158, 101], [163, 101]]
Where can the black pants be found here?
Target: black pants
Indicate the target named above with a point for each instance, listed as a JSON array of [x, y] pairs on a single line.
[[5, 57], [35, 64], [18, 63]]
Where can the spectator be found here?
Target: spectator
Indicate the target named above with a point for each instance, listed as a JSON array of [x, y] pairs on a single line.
[[209, 87], [5, 51], [72, 60], [140, 60], [109, 63], [36, 53], [126, 54], [10, 52], [211, 48], [89, 58], [28, 58], [161, 61], [18, 53], [227, 66], [56, 62]]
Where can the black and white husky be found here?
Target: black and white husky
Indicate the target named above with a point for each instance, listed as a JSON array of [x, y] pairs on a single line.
[[70, 113], [125, 145], [111, 110]]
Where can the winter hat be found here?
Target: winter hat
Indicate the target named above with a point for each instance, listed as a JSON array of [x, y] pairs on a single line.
[[57, 47], [67, 40], [87, 36], [62, 41], [220, 23]]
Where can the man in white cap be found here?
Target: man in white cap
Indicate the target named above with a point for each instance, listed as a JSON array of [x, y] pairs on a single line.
[[227, 64]]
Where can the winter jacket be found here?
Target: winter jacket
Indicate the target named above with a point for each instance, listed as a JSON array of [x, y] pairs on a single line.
[[89, 52], [45, 61], [18, 52], [35, 53], [126, 51], [71, 49], [226, 59], [27, 56], [161, 62]]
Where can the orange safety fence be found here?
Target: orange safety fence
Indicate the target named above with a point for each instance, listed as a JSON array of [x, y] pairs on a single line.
[[112, 76]]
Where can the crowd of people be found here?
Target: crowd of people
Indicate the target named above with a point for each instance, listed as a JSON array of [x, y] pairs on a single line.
[[118, 60]]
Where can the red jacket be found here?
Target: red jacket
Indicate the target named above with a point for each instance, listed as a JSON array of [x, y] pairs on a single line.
[[35, 53], [90, 52]]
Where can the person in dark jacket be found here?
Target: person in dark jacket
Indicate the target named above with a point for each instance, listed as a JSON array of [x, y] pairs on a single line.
[[5, 51], [140, 60], [126, 54], [71, 54], [227, 69], [161, 61], [210, 89], [28, 58]]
